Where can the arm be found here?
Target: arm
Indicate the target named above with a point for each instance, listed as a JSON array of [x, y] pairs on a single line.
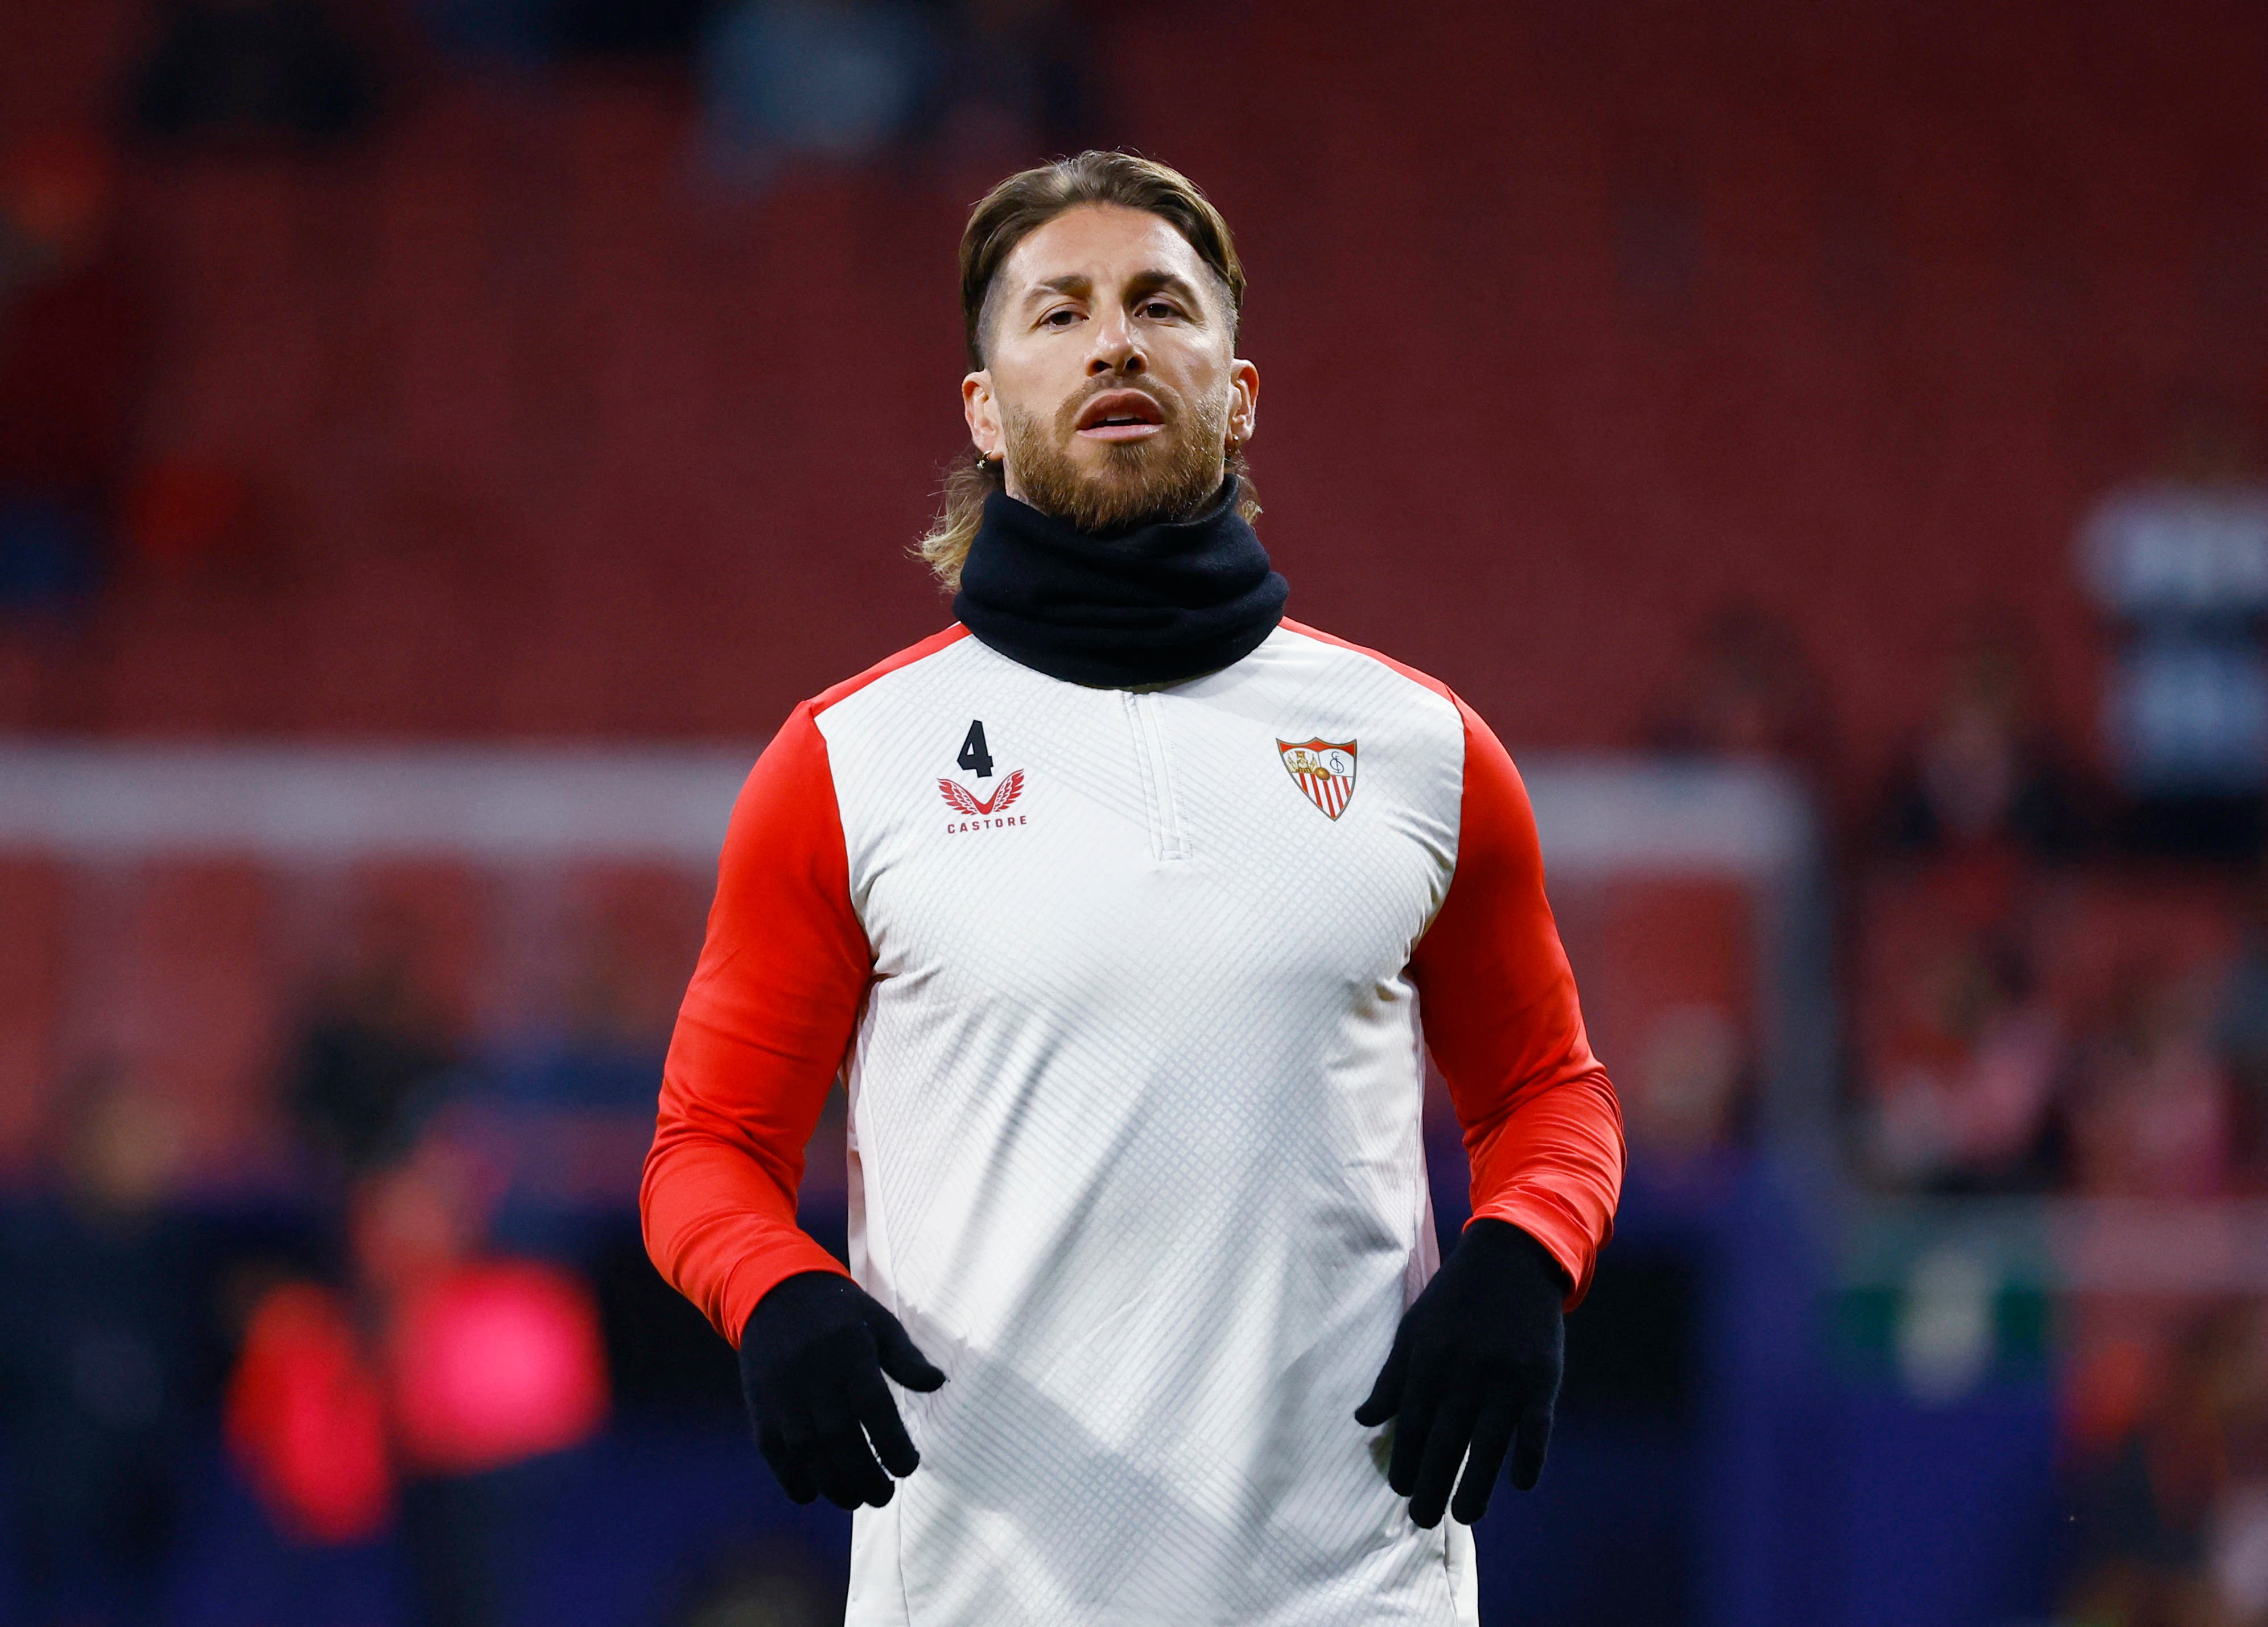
[[760, 1038], [762, 1032], [1475, 1363], [1542, 1130]]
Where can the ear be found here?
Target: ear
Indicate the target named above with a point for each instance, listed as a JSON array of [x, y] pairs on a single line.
[[1244, 400], [981, 408]]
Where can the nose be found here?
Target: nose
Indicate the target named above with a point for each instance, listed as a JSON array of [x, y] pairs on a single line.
[[1116, 347]]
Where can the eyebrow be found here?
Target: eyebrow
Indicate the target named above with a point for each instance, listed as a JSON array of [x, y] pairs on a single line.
[[1150, 281]]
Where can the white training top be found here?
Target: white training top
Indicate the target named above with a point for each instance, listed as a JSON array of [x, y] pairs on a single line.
[[1124, 989]]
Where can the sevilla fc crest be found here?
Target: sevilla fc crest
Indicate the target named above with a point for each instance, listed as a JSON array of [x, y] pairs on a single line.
[[1323, 770]]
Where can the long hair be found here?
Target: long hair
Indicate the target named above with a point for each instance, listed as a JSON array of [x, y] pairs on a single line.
[[1006, 216]]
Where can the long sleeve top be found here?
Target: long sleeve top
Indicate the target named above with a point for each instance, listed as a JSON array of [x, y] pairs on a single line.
[[1131, 991]]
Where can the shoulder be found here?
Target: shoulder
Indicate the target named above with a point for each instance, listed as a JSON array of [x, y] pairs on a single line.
[[1331, 641], [801, 748], [1431, 694], [1483, 752], [937, 644]]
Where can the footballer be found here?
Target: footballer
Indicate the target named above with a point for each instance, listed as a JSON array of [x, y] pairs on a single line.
[[1127, 911]]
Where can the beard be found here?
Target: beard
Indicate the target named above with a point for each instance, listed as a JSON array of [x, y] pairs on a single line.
[[1168, 477]]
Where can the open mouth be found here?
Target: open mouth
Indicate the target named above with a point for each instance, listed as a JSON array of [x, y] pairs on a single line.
[[1121, 415]]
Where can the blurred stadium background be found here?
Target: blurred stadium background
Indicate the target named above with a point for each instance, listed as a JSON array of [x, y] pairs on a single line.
[[439, 439]]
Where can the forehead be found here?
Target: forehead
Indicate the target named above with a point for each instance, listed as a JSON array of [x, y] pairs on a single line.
[[1104, 242]]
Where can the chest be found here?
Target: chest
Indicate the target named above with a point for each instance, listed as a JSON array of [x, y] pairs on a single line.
[[1018, 832]]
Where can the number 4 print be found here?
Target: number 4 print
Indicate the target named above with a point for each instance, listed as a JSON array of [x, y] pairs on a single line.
[[975, 756]]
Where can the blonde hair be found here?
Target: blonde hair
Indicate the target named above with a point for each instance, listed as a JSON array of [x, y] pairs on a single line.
[[1006, 216]]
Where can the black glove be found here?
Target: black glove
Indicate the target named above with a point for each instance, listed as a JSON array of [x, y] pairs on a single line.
[[812, 1359], [1475, 1361]]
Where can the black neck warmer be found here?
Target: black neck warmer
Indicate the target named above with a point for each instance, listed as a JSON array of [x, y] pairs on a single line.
[[1153, 604]]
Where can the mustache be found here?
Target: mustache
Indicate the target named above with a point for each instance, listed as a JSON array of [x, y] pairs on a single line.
[[1170, 403]]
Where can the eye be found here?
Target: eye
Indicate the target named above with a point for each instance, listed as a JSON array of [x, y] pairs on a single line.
[[1062, 316], [1161, 310]]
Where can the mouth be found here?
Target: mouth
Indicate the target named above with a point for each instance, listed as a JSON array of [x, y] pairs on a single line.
[[1120, 415]]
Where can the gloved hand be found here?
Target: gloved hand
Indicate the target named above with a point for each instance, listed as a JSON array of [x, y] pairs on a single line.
[[812, 1359], [1475, 1362]]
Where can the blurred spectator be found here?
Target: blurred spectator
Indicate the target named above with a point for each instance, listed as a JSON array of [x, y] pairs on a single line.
[[541, 30], [71, 347], [509, 30], [989, 84], [488, 1362], [352, 1409], [373, 1066], [47, 552], [2151, 1113], [252, 73], [1963, 1085], [2172, 1518], [105, 1348], [1986, 776], [831, 79], [1749, 693], [2241, 1030], [425, 1394], [1016, 88], [627, 25], [306, 1418], [2178, 566]]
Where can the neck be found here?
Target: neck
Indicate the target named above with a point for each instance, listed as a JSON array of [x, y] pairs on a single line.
[[1148, 603]]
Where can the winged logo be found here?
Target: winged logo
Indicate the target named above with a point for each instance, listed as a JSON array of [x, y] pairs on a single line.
[[959, 797]]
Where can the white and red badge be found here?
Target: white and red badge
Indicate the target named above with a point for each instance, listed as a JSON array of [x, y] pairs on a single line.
[[1323, 770]]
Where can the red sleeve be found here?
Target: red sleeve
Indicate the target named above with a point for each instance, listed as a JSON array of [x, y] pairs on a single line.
[[763, 1030], [1541, 1127]]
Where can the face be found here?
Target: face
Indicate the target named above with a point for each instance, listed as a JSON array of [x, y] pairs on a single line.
[[1110, 391]]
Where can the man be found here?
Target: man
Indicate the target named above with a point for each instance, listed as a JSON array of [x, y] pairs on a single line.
[[1114, 905]]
